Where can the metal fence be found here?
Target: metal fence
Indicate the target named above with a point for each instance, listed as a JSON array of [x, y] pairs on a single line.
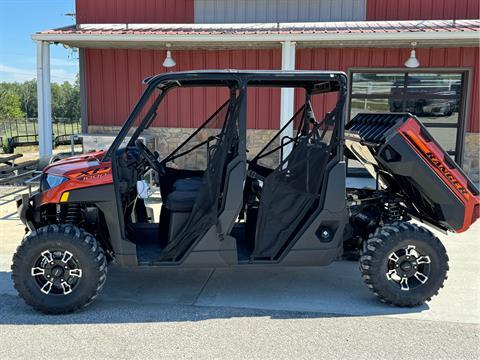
[[24, 132]]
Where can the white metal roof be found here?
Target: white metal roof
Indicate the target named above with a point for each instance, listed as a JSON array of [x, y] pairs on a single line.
[[364, 33]]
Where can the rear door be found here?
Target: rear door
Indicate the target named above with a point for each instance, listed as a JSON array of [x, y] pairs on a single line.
[[294, 190]]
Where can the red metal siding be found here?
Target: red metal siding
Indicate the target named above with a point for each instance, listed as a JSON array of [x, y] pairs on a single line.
[[422, 9], [115, 75], [138, 11], [114, 80], [345, 58]]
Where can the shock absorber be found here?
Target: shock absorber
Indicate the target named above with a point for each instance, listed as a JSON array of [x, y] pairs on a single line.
[[392, 211], [72, 214]]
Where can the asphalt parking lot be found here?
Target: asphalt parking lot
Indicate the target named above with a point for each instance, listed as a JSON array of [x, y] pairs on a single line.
[[272, 313]]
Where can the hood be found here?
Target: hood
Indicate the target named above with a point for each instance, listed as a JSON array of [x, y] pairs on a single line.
[[75, 164], [81, 171]]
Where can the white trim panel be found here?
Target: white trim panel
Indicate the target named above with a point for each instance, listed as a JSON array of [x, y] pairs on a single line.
[[470, 37]]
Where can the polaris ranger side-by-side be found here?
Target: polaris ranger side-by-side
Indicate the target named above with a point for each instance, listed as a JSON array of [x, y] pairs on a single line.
[[93, 209]]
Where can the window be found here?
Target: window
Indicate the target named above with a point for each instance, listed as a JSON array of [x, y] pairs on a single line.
[[436, 98]]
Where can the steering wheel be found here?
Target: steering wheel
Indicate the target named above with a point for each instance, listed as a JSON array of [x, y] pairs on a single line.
[[152, 159]]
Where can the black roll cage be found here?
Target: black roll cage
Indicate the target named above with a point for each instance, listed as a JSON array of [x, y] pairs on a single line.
[[176, 154], [314, 82]]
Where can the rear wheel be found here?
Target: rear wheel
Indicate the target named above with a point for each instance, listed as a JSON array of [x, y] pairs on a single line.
[[404, 264], [59, 269]]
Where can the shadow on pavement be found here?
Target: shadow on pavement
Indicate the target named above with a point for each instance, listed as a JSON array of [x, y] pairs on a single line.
[[172, 295]]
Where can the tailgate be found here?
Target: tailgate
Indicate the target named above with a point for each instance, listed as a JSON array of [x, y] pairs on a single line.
[[398, 150]]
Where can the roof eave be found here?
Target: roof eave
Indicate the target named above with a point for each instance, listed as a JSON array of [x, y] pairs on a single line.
[[464, 38]]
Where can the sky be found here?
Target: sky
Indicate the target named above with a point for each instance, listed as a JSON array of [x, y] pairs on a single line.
[[21, 18]]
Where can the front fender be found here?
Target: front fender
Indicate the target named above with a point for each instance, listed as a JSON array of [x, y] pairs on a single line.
[[25, 210]]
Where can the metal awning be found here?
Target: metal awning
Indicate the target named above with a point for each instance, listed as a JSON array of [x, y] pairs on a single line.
[[311, 34]]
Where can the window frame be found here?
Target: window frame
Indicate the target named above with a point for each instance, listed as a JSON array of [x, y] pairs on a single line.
[[463, 112]]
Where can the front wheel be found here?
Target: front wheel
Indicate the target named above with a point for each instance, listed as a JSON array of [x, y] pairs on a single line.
[[59, 269], [404, 264]]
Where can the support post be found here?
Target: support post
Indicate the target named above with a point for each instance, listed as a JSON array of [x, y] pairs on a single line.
[[83, 91], [44, 99], [287, 97]]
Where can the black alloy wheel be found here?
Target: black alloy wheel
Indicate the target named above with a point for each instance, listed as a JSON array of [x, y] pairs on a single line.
[[59, 269], [403, 264]]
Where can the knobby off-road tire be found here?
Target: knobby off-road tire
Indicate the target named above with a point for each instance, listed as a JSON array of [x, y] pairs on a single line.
[[403, 264], [67, 257]]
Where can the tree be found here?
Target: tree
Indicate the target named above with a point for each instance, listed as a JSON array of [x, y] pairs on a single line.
[[10, 105], [72, 100], [65, 98], [58, 101], [28, 98]]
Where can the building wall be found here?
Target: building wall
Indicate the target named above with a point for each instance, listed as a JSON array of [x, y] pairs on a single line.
[[422, 9], [114, 84], [138, 11], [218, 11], [168, 139], [114, 79], [238, 11], [471, 156], [345, 58], [114, 76]]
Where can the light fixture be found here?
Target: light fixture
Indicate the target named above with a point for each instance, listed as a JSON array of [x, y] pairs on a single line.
[[412, 61], [169, 62]]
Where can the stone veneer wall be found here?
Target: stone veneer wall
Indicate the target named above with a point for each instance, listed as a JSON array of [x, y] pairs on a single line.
[[169, 138], [471, 156]]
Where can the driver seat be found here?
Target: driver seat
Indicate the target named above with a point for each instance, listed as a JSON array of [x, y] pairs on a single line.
[[188, 184], [180, 202], [184, 194]]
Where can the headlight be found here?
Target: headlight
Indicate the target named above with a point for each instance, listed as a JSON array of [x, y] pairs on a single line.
[[50, 181]]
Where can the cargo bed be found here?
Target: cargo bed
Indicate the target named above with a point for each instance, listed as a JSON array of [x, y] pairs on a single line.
[[398, 151]]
